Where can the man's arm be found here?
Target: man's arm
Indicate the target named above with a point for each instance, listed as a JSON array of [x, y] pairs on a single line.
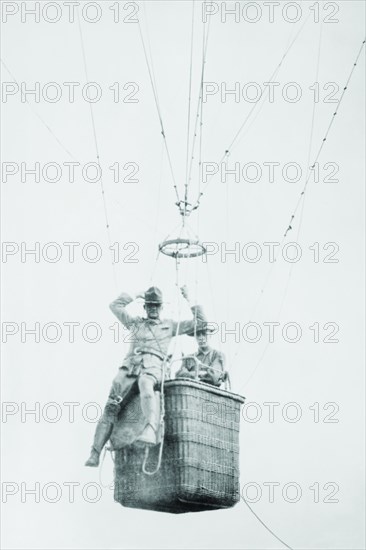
[[215, 371], [118, 306]]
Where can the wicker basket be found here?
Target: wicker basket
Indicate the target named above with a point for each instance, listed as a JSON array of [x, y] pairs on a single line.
[[200, 462]]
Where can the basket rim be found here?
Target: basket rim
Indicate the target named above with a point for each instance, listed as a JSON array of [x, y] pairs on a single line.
[[203, 386]]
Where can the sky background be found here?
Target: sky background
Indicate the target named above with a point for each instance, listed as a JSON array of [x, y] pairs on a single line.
[[143, 213]]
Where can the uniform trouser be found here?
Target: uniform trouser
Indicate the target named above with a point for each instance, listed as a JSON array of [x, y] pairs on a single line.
[[121, 385]]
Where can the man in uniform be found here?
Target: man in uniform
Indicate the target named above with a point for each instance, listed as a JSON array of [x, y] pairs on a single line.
[[143, 363], [208, 362]]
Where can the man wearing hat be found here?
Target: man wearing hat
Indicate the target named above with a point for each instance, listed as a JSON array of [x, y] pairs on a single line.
[[150, 339], [207, 362]]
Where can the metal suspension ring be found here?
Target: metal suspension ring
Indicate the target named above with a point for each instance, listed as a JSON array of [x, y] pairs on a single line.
[[182, 248]]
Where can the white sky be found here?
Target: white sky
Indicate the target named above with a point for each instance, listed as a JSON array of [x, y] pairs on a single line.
[[144, 213]]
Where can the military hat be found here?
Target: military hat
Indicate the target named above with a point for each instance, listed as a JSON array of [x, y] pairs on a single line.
[[153, 295], [201, 327]]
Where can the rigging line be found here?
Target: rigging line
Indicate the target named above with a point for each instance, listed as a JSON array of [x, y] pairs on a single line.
[[325, 137], [212, 296], [97, 149], [228, 278], [150, 50], [303, 192], [200, 147], [263, 104], [189, 109], [310, 149], [254, 118], [200, 95], [154, 89], [266, 526], [158, 211], [270, 80], [273, 75], [199, 186], [39, 116]]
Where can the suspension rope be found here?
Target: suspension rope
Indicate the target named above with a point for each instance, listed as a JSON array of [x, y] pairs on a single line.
[[266, 526], [156, 98], [200, 96], [162, 427], [189, 110], [252, 120], [97, 149], [39, 116], [254, 107], [157, 217], [301, 198], [200, 147], [324, 139], [308, 170]]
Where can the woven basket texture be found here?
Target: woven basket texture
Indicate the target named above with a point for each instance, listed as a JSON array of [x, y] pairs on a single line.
[[200, 463]]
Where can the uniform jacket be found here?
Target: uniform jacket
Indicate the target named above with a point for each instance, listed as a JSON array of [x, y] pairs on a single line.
[[215, 362], [147, 334]]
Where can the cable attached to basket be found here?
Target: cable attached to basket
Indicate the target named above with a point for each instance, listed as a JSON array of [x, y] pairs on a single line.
[[162, 429]]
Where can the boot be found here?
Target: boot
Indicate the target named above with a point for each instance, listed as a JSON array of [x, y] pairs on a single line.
[[148, 436], [149, 411], [93, 460], [102, 434]]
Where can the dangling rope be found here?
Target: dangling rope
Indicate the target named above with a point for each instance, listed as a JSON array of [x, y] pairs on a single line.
[[156, 98], [266, 526], [97, 149], [162, 396], [162, 429]]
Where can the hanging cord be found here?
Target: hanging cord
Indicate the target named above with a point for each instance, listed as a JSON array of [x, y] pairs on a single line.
[[254, 107], [39, 116], [162, 430], [155, 93], [97, 149], [162, 396], [266, 526]]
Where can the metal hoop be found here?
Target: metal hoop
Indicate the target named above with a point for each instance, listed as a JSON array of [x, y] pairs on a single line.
[[182, 248]]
